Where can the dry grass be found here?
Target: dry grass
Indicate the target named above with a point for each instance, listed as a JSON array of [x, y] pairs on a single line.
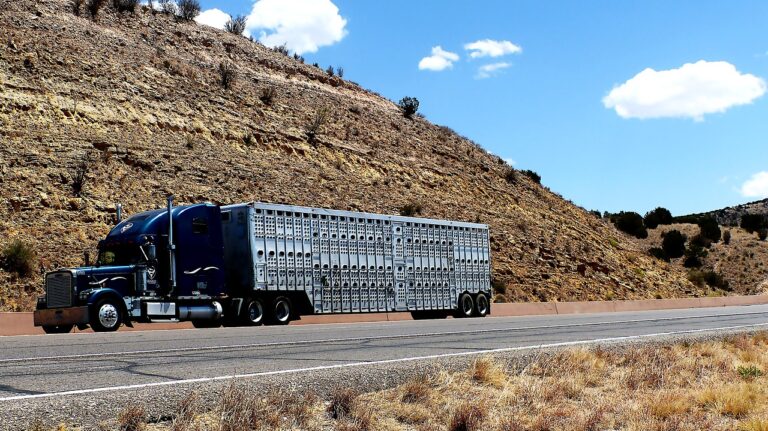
[[701, 386]]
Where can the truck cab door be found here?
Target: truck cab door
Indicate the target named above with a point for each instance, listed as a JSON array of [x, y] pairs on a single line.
[[199, 251]]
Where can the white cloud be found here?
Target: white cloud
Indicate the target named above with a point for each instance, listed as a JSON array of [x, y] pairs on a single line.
[[213, 18], [756, 186], [691, 91], [489, 70], [491, 48], [510, 162], [439, 60], [301, 25]]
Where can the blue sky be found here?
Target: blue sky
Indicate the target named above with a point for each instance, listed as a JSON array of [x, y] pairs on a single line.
[[690, 139]]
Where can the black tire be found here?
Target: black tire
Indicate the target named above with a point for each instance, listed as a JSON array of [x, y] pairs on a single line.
[[466, 306], [482, 306], [280, 311], [58, 329], [203, 324], [106, 316], [253, 314]]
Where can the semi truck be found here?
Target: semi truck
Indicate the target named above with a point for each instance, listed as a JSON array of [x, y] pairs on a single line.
[[261, 263]]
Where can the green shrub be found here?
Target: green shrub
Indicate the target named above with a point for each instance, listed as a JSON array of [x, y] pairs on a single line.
[[749, 372], [709, 228], [227, 75], [709, 278], [268, 95], [330, 71], [499, 288], [694, 254], [659, 216], [762, 234], [188, 9], [20, 258], [409, 106], [658, 253], [125, 5], [753, 222], [673, 244], [94, 6], [727, 237], [167, 6], [630, 223], [235, 25], [410, 209], [536, 178], [511, 176], [313, 128]]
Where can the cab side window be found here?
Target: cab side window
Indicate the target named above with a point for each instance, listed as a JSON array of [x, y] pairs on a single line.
[[200, 225]]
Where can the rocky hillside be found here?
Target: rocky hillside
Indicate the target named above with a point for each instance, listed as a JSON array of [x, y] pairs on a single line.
[[731, 216], [132, 103]]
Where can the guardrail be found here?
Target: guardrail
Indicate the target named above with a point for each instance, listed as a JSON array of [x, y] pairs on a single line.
[[21, 323]]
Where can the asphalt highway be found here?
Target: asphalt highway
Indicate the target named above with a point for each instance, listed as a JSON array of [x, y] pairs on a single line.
[[55, 365]]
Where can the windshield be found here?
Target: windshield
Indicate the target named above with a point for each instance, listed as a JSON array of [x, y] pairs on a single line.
[[119, 255]]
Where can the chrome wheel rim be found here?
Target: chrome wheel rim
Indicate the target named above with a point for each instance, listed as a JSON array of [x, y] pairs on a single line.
[[482, 304], [255, 312], [466, 304], [282, 311], [108, 316]]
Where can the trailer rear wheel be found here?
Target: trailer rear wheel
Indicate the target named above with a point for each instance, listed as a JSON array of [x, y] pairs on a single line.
[[58, 329], [280, 311], [253, 314], [466, 306], [481, 305]]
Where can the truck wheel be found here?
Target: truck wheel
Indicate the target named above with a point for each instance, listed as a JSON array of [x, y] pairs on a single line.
[[59, 329], [253, 314], [481, 305], [466, 306], [106, 316], [280, 311]]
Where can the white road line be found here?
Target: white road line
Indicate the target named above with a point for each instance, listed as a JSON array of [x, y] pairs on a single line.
[[373, 338], [361, 364]]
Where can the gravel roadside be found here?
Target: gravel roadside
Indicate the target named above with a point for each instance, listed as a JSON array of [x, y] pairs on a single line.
[[89, 411]]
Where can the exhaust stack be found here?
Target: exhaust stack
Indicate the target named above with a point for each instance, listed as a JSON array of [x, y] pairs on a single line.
[[171, 246]]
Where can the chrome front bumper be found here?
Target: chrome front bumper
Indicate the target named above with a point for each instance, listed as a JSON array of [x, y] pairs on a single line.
[[61, 316]]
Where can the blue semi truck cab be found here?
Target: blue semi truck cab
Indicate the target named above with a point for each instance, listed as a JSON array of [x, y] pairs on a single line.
[[142, 274]]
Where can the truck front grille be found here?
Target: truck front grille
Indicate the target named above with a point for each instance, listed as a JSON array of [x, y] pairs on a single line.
[[58, 289]]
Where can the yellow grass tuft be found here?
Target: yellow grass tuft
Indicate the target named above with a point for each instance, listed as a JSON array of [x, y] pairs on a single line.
[[486, 371]]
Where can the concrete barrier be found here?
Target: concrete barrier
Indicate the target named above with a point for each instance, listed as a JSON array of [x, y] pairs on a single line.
[[21, 323]]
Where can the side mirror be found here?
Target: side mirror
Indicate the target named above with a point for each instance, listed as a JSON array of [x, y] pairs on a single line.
[[151, 252]]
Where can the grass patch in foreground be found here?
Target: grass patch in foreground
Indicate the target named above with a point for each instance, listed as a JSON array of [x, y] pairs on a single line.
[[717, 385]]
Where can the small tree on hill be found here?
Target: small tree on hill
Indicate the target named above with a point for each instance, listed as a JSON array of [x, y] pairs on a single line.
[[227, 75], [754, 222], [709, 228], [409, 106], [727, 237], [693, 256], [235, 25], [659, 216], [167, 6], [188, 9], [630, 223], [536, 178], [673, 244]]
